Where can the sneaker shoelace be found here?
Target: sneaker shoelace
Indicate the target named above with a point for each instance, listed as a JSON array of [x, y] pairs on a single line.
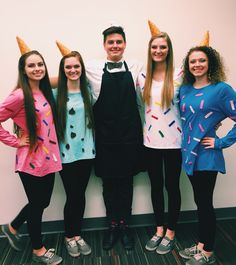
[[50, 253], [193, 249], [155, 238], [200, 256], [81, 242], [71, 243], [165, 242]]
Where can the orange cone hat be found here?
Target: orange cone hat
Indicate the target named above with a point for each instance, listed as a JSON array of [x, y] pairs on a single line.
[[153, 29], [22, 46], [63, 49], [206, 39]]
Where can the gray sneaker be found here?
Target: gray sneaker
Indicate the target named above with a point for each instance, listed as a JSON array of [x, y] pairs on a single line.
[[49, 257], [83, 246], [153, 242], [188, 253], [165, 246], [14, 240], [201, 259], [72, 247]]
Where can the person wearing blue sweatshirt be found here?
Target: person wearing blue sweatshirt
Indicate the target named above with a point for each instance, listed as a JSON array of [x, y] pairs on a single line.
[[205, 101]]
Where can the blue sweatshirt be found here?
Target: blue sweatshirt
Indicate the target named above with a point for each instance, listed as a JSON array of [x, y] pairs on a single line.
[[201, 110]]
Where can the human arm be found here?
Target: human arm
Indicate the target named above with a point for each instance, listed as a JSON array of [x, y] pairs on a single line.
[[11, 109], [139, 92], [228, 107]]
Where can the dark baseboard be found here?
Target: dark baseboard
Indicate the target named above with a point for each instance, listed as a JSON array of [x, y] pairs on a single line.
[[99, 223]]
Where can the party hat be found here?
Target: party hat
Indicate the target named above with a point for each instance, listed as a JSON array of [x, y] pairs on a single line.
[[153, 29], [22, 46], [205, 40], [63, 49]]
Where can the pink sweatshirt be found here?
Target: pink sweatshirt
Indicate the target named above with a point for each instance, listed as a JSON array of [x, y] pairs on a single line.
[[45, 158]]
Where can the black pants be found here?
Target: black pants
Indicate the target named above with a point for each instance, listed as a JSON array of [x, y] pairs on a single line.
[[75, 177], [164, 163], [38, 191], [203, 183], [118, 196]]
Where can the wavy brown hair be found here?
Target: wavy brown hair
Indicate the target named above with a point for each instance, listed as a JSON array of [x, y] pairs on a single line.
[[62, 96], [168, 86], [216, 70], [44, 86]]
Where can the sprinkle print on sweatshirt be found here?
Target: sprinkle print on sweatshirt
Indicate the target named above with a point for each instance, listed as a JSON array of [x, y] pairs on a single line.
[[79, 142], [201, 110], [162, 126], [45, 157]]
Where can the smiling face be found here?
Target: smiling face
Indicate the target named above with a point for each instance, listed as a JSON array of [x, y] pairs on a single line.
[[198, 64], [72, 68], [34, 67], [114, 46], [159, 50]]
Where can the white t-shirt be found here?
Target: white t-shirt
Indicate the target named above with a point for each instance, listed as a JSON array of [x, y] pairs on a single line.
[[162, 127]]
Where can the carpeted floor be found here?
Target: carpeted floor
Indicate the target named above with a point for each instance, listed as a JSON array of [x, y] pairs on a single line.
[[225, 248]]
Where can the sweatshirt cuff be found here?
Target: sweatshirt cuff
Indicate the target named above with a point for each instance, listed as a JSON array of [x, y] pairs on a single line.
[[218, 143]]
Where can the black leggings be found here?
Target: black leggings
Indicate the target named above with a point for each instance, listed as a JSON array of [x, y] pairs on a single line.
[[118, 196], [160, 163], [38, 191], [75, 177], [203, 183]]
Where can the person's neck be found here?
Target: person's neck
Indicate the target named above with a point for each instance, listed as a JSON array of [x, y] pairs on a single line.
[[159, 72], [34, 85], [201, 82], [114, 60], [73, 86]]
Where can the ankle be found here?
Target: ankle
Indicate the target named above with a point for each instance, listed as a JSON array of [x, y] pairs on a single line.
[[207, 254], [113, 223], [12, 230], [68, 238], [170, 234], [200, 246], [160, 231], [39, 252]]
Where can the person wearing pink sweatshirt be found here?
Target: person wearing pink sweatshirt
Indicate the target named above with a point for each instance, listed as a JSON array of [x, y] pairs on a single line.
[[31, 107]]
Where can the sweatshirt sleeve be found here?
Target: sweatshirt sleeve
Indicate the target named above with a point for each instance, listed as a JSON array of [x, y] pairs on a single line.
[[228, 107], [9, 110]]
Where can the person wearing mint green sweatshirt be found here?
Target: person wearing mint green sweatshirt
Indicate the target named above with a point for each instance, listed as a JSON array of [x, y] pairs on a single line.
[[77, 147]]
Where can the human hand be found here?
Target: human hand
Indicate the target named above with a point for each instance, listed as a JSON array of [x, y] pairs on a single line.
[[208, 142], [24, 140]]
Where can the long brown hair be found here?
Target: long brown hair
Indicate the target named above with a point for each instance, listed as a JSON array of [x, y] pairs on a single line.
[[168, 86], [45, 87], [63, 95]]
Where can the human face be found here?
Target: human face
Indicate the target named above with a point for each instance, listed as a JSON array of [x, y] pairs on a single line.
[[114, 46], [159, 50], [198, 64], [72, 68], [35, 67]]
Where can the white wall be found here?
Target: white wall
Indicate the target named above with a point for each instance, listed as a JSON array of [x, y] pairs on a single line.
[[79, 24]]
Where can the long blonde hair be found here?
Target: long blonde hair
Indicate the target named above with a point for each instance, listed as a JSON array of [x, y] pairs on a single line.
[[168, 86]]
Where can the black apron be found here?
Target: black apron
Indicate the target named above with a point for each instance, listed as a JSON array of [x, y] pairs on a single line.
[[118, 129]]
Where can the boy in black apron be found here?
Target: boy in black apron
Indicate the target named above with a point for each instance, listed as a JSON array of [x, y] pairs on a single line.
[[118, 134]]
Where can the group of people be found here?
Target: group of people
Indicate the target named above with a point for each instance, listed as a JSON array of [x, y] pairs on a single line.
[[92, 116]]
